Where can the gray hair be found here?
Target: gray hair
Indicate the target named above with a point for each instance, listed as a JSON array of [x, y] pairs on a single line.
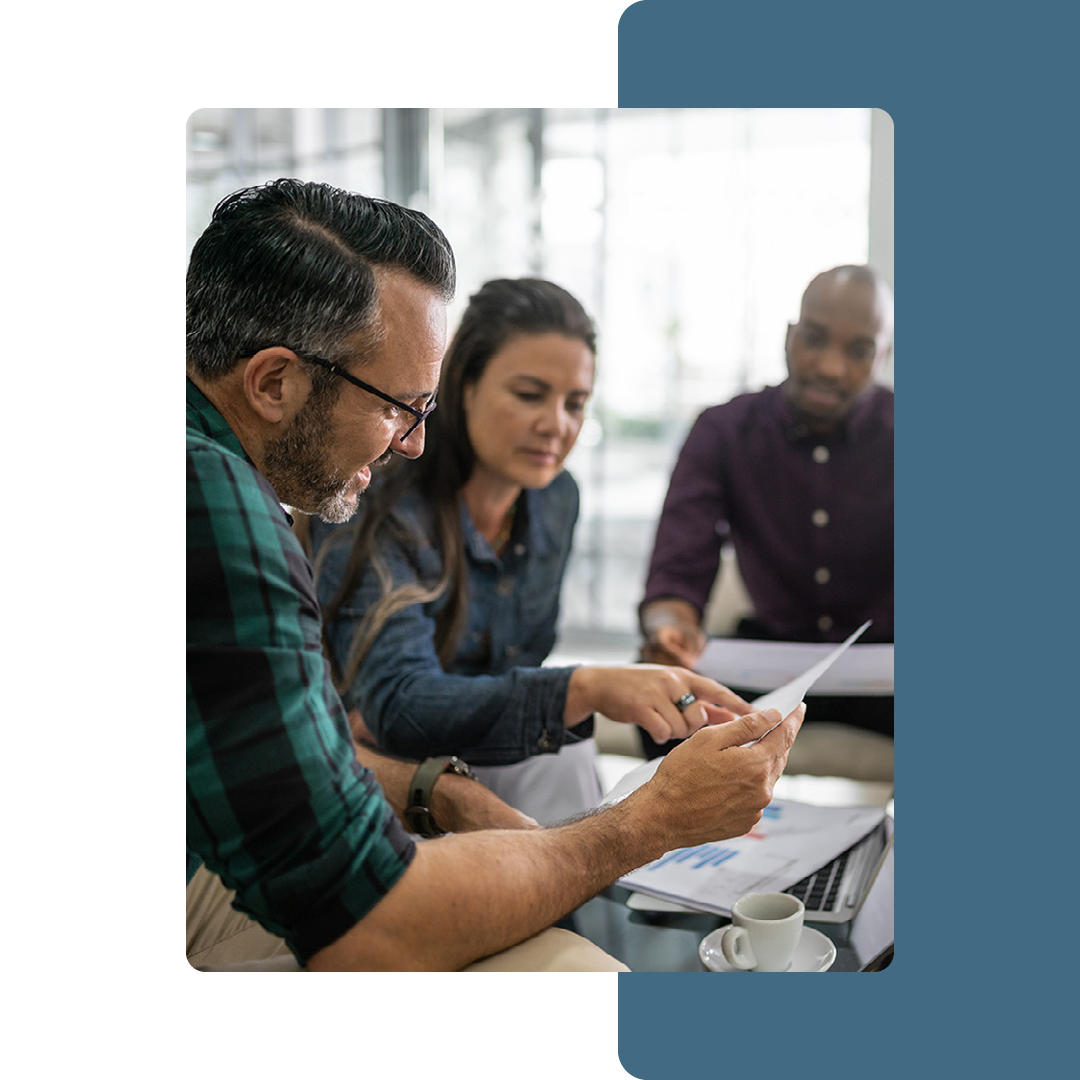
[[291, 263]]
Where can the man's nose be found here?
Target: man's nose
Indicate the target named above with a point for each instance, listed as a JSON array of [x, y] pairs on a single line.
[[413, 446], [831, 364]]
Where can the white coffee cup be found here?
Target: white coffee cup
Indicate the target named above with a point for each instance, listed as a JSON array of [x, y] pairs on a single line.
[[764, 930]]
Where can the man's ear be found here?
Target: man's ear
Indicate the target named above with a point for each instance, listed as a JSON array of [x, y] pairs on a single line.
[[275, 384]]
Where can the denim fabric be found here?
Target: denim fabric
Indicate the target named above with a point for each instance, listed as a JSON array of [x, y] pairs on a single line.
[[495, 705]]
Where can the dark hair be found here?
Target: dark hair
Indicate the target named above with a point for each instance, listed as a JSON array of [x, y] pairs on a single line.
[[499, 312], [290, 263]]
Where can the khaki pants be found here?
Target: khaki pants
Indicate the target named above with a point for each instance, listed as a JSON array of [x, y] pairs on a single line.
[[220, 938]]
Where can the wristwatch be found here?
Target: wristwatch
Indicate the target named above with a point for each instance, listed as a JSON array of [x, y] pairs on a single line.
[[418, 808]]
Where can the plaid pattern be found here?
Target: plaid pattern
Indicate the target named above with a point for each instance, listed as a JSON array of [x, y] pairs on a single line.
[[277, 803]]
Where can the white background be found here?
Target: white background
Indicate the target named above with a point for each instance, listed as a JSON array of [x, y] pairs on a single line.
[[94, 197]]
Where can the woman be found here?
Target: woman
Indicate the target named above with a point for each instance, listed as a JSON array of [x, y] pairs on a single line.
[[441, 603]]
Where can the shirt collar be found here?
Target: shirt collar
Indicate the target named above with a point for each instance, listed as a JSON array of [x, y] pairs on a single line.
[[530, 525], [852, 428], [203, 416]]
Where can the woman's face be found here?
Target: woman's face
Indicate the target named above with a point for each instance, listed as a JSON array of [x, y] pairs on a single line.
[[525, 411]]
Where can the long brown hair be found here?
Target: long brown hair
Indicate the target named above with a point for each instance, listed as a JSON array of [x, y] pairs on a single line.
[[501, 310]]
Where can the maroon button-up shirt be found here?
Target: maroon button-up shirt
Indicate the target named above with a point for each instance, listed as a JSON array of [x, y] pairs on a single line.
[[810, 517]]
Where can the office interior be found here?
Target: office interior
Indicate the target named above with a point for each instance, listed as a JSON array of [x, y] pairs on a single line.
[[688, 234]]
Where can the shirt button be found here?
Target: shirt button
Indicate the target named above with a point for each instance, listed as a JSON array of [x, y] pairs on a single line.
[[505, 586], [512, 651], [821, 454], [824, 624], [820, 518], [519, 549], [822, 575], [545, 742]]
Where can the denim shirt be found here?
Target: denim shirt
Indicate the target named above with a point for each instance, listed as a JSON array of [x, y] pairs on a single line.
[[495, 705]]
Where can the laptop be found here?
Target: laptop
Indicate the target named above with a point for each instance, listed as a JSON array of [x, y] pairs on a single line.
[[870, 935], [836, 892]]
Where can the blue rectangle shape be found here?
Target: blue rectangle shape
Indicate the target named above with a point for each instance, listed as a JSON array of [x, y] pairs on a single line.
[[983, 103]]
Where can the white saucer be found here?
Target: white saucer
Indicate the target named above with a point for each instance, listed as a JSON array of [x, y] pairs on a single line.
[[815, 952]]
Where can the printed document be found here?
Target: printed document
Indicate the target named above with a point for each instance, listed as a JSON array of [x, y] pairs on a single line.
[[791, 841], [865, 670]]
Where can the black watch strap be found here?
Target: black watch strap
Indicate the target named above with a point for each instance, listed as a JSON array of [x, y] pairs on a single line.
[[418, 808]]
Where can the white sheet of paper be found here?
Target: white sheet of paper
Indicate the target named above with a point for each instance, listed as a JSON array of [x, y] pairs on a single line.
[[787, 697], [784, 698], [865, 670], [791, 840]]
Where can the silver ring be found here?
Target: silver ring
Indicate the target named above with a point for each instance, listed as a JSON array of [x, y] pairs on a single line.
[[685, 702]]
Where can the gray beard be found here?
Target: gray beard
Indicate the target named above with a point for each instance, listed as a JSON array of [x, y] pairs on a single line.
[[298, 468]]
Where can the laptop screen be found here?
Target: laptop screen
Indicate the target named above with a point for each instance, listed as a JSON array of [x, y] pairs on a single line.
[[871, 933]]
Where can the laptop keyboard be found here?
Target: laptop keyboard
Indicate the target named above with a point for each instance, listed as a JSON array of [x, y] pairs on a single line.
[[820, 891]]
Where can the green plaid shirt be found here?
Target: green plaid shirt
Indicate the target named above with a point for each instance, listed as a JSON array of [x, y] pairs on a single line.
[[277, 804]]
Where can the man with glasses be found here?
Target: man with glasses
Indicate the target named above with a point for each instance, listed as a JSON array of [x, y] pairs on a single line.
[[316, 327], [420, 415]]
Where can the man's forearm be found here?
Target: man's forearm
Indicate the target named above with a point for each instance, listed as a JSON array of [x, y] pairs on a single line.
[[471, 895], [393, 774], [458, 804], [468, 896]]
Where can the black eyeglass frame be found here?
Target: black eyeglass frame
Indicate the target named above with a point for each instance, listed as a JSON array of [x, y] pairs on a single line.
[[421, 415]]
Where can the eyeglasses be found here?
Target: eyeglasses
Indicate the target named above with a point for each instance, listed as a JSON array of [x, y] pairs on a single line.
[[421, 415]]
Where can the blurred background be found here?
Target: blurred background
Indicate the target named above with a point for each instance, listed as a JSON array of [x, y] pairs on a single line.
[[688, 234]]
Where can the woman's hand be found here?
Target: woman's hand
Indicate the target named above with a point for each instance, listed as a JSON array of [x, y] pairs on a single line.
[[646, 694]]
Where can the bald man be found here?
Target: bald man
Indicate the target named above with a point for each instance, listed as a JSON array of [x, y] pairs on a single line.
[[799, 479]]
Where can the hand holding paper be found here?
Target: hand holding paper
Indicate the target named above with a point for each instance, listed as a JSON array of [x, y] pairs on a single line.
[[728, 787], [789, 841], [785, 698]]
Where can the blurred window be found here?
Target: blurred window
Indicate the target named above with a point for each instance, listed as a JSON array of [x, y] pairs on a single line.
[[689, 235]]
